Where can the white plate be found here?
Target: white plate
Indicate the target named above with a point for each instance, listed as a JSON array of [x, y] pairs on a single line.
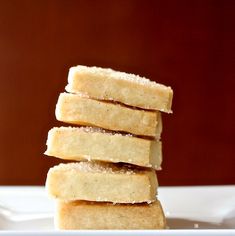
[[208, 210]]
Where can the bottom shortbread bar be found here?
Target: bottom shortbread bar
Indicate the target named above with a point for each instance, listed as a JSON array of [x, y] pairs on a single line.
[[93, 215]]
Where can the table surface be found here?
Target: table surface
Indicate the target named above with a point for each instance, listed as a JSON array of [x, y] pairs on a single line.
[[29, 210]]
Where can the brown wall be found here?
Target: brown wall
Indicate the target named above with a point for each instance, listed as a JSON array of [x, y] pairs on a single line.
[[186, 44]]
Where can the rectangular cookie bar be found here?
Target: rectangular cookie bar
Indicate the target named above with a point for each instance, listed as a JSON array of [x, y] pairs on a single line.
[[101, 182], [87, 143], [130, 89], [96, 216], [80, 110]]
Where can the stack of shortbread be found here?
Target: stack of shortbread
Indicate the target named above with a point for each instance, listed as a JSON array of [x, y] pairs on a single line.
[[116, 144]]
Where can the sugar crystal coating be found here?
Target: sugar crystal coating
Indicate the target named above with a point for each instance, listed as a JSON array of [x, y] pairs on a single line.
[[112, 74], [89, 129], [96, 167]]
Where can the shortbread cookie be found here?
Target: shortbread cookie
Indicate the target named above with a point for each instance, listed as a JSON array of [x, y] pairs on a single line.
[[87, 143], [92, 215], [80, 110], [101, 182], [130, 89]]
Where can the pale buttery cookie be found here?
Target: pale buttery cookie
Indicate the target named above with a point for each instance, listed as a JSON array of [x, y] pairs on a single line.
[[96, 216], [87, 143], [80, 110], [101, 182], [130, 89]]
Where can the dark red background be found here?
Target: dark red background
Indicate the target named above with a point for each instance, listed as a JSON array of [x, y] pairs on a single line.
[[188, 45]]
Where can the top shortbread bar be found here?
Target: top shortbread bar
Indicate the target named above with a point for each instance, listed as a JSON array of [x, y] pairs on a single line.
[[129, 89]]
